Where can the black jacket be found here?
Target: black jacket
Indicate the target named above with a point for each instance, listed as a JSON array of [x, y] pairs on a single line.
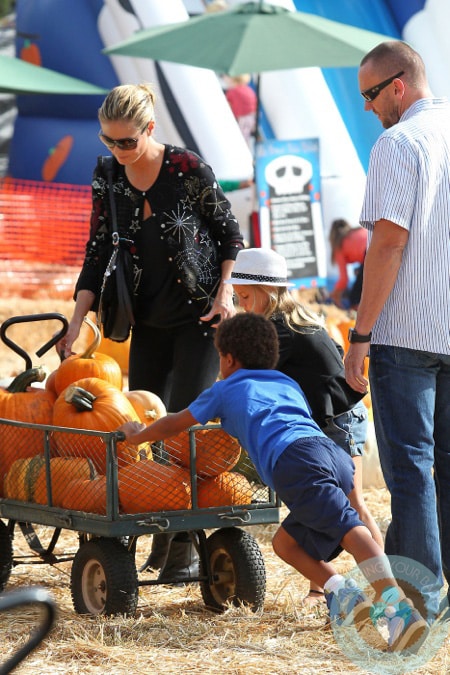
[[192, 216]]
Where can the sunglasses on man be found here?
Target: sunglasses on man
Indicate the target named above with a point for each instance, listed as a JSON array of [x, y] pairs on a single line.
[[371, 93]]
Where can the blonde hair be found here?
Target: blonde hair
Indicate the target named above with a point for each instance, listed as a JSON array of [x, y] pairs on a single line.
[[130, 103], [295, 315], [241, 79]]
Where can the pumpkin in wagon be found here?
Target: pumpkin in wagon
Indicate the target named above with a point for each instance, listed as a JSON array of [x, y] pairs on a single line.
[[216, 451], [62, 471], [148, 406], [90, 363], [226, 489], [21, 477], [86, 495], [149, 486], [22, 402], [95, 405]]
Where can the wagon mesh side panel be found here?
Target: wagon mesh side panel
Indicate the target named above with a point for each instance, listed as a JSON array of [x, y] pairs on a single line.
[[85, 471]]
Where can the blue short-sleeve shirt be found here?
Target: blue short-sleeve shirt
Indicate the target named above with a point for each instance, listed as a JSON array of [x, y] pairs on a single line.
[[264, 409]]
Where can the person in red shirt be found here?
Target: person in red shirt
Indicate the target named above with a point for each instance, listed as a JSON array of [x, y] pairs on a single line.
[[243, 102], [348, 246]]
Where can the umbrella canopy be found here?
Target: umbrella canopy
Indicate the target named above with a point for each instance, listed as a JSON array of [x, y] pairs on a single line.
[[20, 77], [253, 37]]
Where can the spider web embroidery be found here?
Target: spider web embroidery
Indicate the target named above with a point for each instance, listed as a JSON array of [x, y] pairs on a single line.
[[203, 266], [211, 201]]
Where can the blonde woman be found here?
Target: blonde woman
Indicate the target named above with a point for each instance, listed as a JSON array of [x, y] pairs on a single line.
[[311, 358], [178, 225]]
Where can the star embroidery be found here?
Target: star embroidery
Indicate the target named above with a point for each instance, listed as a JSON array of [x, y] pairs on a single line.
[[179, 222]]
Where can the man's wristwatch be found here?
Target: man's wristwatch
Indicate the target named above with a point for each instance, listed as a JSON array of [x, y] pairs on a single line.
[[354, 336]]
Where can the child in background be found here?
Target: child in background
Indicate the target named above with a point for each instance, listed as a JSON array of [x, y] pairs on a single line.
[[312, 359], [269, 415]]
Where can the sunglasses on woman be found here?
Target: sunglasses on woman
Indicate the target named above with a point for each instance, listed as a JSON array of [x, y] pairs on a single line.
[[121, 143]]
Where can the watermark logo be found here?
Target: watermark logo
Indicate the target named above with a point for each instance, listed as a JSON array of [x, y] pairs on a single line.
[[399, 629]]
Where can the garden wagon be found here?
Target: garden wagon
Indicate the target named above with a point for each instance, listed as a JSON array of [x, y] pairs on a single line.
[[104, 578]]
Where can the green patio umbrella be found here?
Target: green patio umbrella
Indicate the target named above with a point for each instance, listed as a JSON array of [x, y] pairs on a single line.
[[20, 77], [253, 37]]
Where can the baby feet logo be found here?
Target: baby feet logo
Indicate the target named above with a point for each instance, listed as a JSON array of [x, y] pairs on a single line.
[[390, 628]]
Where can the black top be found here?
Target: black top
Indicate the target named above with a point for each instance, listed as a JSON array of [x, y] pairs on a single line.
[[314, 361], [178, 251]]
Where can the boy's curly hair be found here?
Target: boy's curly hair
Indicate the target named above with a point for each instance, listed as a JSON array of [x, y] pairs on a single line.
[[251, 339]]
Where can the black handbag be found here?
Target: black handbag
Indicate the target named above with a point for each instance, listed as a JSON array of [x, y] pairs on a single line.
[[116, 304]]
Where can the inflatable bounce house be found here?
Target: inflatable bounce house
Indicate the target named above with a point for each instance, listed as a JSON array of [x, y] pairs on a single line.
[[55, 138]]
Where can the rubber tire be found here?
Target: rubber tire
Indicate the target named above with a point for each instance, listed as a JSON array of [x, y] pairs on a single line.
[[6, 555], [104, 579], [238, 565]]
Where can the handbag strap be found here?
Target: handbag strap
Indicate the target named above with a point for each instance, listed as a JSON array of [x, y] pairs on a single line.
[[107, 165]]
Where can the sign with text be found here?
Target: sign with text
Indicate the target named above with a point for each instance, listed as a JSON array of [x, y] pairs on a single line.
[[290, 215]]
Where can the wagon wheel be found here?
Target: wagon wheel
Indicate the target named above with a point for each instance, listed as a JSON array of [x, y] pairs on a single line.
[[104, 579], [6, 554], [238, 570]]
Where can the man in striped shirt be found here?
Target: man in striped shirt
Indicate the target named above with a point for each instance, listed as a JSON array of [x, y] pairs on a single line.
[[404, 313]]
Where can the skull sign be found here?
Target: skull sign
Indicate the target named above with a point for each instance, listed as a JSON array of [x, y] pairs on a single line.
[[289, 174]]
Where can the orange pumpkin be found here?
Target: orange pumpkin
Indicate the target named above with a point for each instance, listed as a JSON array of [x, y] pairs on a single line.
[[344, 327], [96, 405], [90, 363], [148, 486], [226, 489], [148, 406], [50, 382], [86, 495], [120, 351], [62, 471], [216, 451], [334, 332], [20, 479], [24, 403]]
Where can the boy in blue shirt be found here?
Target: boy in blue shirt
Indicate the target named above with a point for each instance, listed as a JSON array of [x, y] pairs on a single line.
[[269, 415]]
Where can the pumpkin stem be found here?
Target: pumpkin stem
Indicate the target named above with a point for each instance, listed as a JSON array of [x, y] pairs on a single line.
[[95, 344], [80, 398], [23, 380]]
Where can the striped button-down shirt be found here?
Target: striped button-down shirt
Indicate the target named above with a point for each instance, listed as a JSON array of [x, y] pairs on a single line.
[[408, 183]]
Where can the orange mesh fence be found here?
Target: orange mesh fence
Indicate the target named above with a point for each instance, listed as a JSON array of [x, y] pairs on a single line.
[[43, 231]]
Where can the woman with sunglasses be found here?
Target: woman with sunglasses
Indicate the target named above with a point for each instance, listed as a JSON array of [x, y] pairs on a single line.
[[184, 240]]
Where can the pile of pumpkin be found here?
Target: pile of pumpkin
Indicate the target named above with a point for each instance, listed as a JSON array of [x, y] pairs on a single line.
[[85, 393]]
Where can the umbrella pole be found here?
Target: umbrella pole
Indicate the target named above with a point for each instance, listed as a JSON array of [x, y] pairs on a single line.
[[255, 225]]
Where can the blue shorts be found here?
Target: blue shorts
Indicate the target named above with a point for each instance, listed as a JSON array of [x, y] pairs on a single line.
[[349, 430], [313, 477]]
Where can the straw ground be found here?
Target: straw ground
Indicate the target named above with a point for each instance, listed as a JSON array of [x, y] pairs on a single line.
[[172, 631]]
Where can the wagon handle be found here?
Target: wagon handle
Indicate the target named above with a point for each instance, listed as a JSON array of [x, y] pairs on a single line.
[[28, 596], [26, 319]]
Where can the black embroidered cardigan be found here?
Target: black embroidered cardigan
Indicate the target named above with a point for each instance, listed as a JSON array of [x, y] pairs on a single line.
[[192, 214]]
